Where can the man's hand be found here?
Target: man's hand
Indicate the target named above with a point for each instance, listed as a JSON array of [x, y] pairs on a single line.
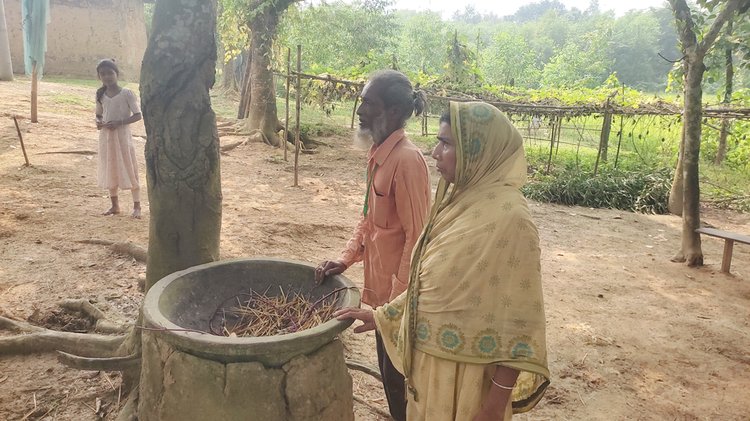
[[327, 268], [366, 316]]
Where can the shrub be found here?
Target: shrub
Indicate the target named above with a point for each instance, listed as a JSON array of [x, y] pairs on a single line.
[[642, 190]]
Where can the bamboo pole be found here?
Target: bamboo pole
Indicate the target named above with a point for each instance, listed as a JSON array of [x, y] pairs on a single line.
[[34, 88], [619, 136], [551, 143], [20, 139], [299, 100], [286, 109]]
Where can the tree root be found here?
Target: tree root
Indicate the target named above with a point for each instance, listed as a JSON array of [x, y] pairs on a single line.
[[373, 408], [83, 152], [102, 325], [34, 339], [127, 248], [129, 411], [129, 362], [230, 146], [359, 366]]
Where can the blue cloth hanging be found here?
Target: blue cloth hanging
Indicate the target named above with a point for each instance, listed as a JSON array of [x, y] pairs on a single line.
[[34, 16]]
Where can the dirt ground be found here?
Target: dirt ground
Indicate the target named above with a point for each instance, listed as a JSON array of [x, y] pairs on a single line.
[[630, 334]]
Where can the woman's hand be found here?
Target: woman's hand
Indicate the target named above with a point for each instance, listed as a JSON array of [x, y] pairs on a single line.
[[111, 125], [366, 316], [489, 415]]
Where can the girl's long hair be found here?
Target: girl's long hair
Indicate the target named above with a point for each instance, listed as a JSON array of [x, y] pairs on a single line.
[[106, 63]]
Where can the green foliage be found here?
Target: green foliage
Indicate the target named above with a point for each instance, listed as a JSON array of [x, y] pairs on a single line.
[[461, 70], [509, 61], [584, 64], [421, 43], [232, 27], [644, 191], [349, 40], [636, 48]]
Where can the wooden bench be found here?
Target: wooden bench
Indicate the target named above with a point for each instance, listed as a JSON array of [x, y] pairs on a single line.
[[729, 239]]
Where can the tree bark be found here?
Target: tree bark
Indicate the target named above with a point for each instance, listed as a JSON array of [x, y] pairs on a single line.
[[263, 115], [228, 77], [245, 92], [182, 150], [6, 66], [674, 203], [604, 138], [691, 240]]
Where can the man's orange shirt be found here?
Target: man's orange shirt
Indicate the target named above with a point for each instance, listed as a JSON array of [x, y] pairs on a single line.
[[398, 204]]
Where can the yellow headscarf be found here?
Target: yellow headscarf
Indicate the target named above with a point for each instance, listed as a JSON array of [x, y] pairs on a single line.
[[475, 292]]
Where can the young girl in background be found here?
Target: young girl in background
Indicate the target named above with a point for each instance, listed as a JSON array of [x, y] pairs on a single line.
[[116, 108]]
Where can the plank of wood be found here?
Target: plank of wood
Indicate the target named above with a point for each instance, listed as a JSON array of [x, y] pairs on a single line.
[[726, 260], [725, 235]]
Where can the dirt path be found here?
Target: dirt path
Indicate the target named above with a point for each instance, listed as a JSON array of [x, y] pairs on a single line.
[[631, 335]]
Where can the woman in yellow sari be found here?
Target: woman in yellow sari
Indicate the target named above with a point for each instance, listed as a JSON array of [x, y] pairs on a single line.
[[469, 332]]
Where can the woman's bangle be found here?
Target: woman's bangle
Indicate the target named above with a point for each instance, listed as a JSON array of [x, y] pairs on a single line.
[[499, 385]]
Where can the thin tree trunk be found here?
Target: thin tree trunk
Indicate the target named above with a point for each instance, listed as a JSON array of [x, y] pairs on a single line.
[[245, 93], [34, 91], [691, 240], [721, 152], [182, 150], [606, 130], [676, 192], [228, 80]]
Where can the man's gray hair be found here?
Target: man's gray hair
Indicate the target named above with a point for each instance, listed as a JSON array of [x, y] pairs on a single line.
[[398, 91]]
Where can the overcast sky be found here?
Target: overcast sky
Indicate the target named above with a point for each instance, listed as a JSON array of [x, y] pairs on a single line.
[[504, 8]]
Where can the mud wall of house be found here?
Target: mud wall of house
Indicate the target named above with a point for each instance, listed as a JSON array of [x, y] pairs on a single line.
[[82, 32]]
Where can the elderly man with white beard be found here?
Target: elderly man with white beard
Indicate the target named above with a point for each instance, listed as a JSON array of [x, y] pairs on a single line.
[[395, 207]]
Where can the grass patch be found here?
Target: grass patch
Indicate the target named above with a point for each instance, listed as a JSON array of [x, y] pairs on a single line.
[[636, 191], [93, 83], [71, 99]]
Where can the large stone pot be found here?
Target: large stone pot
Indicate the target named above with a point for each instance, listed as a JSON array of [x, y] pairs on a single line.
[[189, 375]]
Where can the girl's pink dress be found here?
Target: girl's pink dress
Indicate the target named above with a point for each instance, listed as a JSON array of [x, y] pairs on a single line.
[[118, 166]]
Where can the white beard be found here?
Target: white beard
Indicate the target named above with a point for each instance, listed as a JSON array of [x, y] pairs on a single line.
[[363, 139]]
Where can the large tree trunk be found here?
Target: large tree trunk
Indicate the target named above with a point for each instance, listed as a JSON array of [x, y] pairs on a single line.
[[6, 67], [182, 151], [263, 115]]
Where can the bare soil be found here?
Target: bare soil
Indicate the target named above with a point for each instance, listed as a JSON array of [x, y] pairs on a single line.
[[630, 334]]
